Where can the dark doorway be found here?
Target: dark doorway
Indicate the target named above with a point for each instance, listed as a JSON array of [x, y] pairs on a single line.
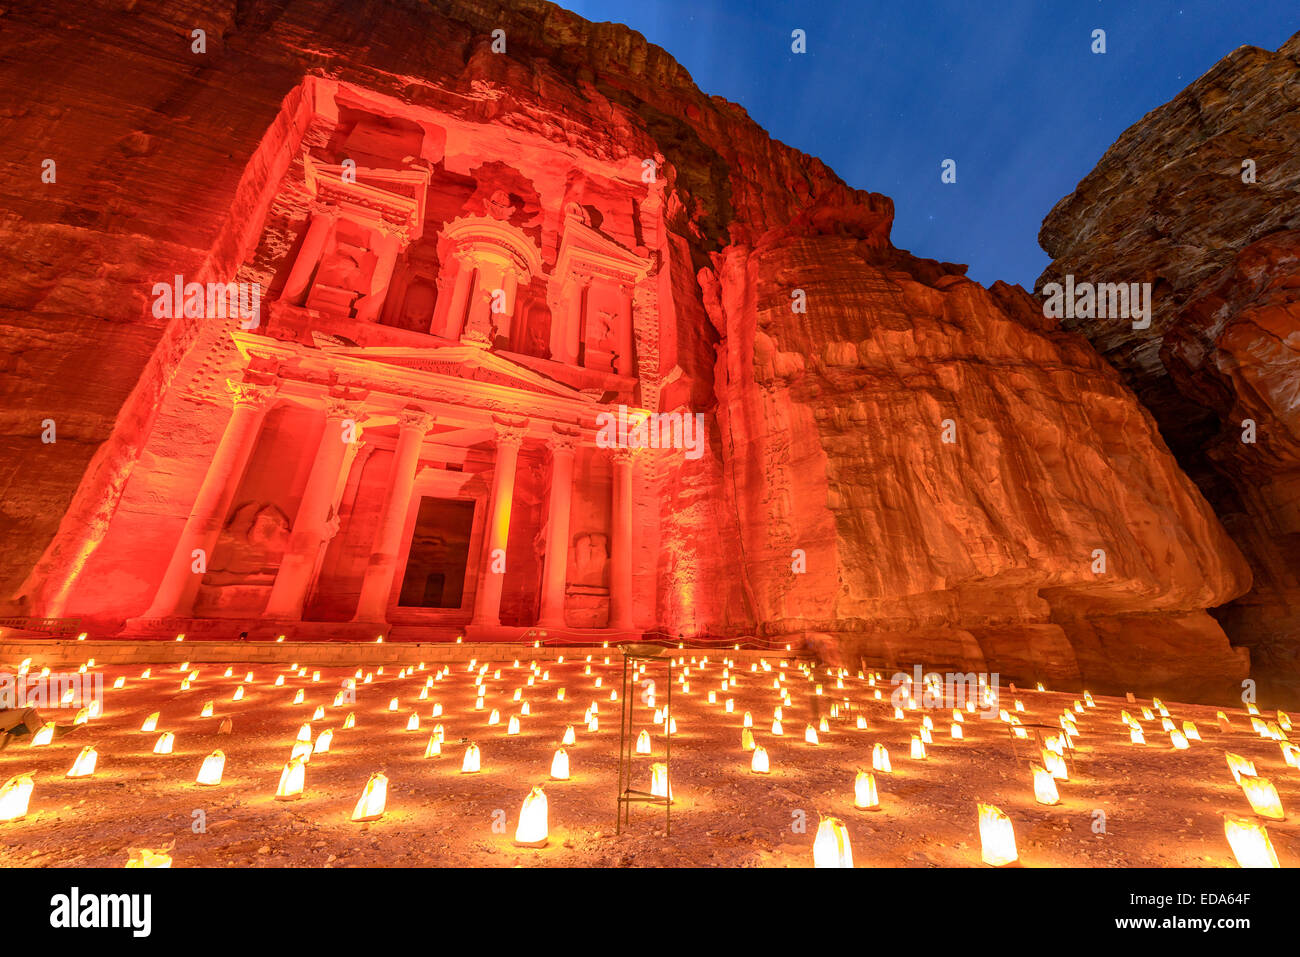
[[439, 556]]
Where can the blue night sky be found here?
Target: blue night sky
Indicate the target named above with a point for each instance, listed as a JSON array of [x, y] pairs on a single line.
[[1008, 88]]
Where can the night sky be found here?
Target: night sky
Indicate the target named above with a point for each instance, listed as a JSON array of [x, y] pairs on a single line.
[[1009, 89]]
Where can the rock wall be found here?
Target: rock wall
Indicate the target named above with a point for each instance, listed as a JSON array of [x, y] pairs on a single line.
[[828, 440], [1201, 198]]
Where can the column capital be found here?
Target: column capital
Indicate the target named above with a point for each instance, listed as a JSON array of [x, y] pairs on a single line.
[[322, 209], [563, 443], [511, 431], [416, 420], [624, 456], [344, 407], [254, 395]]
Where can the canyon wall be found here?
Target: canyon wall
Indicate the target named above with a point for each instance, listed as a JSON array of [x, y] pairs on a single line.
[[903, 467], [1201, 198]]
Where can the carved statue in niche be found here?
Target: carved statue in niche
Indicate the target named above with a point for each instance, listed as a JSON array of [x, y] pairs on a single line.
[[250, 547], [590, 560], [341, 278], [498, 205], [417, 307]]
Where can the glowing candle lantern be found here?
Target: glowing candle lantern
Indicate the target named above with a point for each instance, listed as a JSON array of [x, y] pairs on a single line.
[[1147, 715], [413, 722], [918, 748], [525, 710], [374, 797], [1055, 764], [862, 723], [15, 796], [318, 713], [1087, 699], [570, 737], [44, 736], [865, 797], [1249, 841], [299, 697], [470, 763], [559, 695], [956, 731], [593, 725], [478, 703], [151, 722], [1190, 732], [746, 740], [823, 725], [810, 734], [119, 682], [437, 710], [340, 699], [392, 705], [303, 750], [434, 748], [776, 728], [643, 743], [1263, 797], [1239, 766], [1178, 740], [142, 857], [304, 733], [831, 847], [880, 759], [211, 770], [1166, 724], [238, 695], [997, 837], [659, 784], [534, 828], [513, 726], [323, 741], [84, 766], [748, 721], [1045, 786], [1290, 754], [146, 673], [925, 735], [164, 743], [898, 714], [1135, 735], [350, 721], [759, 764]]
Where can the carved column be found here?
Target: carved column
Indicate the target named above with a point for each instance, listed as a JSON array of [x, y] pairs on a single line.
[[313, 245], [574, 322], [556, 564], [387, 247], [180, 584], [377, 584], [505, 321], [487, 601], [623, 363], [455, 318], [310, 528], [620, 559]]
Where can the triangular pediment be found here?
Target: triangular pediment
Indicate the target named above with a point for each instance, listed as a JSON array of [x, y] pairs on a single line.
[[471, 363]]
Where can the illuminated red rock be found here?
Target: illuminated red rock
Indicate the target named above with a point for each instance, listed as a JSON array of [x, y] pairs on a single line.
[[1199, 199], [461, 265]]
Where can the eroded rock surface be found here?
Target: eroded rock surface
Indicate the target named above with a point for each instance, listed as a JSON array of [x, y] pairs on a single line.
[[913, 469], [1172, 203]]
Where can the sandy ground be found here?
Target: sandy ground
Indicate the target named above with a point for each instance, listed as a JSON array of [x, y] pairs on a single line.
[[1162, 807]]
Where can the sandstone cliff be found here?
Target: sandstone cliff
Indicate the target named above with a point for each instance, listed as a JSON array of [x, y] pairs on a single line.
[[1201, 198], [966, 484]]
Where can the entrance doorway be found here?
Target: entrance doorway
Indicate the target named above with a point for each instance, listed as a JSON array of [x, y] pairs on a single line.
[[439, 554]]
